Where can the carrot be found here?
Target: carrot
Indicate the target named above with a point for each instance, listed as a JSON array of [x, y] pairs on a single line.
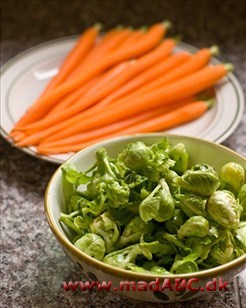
[[97, 83], [178, 90], [136, 35], [108, 44], [144, 62], [68, 100], [195, 63], [81, 48], [151, 39], [105, 130], [19, 133], [153, 72], [109, 76], [168, 120]]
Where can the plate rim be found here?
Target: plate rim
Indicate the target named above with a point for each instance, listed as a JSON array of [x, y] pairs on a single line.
[[231, 78]]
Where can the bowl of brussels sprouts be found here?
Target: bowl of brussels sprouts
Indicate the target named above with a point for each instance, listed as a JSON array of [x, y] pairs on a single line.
[[152, 208]]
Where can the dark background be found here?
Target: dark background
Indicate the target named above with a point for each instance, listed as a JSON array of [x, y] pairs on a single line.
[[200, 22], [33, 264]]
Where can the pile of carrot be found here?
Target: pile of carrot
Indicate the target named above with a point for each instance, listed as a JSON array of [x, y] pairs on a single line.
[[121, 82]]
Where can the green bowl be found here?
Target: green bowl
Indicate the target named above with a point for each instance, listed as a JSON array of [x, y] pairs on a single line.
[[200, 151]]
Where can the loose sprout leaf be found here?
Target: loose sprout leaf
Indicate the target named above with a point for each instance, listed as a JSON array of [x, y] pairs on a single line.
[[147, 211], [173, 224], [241, 235], [73, 176], [242, 200], [181, 157], [105, 226], [134, 230]]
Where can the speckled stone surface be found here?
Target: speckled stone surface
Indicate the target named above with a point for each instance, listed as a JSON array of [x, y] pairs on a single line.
[[33, 265]]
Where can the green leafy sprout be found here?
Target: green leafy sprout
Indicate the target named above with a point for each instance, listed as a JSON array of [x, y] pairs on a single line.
[[149, 211]]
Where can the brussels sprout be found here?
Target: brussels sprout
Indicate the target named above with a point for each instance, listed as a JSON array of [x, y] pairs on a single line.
[[186, 265], [159, 270], [241, 235], [181, 157], [199, 246], [149, 207], [233, 175], [197, 226], [133, 231], [223, 251], [224, 209], [138, 269], [242, 200], [117, 193], [172, 239], [136, 156], [93, 208], [104, 165], [73, 176], [166, 209], [213, 230], [133, 179], [121, 258], [175, 222], [158, 205], [105, 226], [166, 261], [160, 247], [120, 210], [193, 205], [201, 179], [83, 223], [172, 178], [71, 179], [92, 244], [68, 221], [96, 187]]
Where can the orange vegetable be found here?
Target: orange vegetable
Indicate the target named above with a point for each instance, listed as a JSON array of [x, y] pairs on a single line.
[[109, 43], [151, 39], [79, 51], [178, 90], [105, 130], [195, 63], [149, 75], [159, 53], [167, 120]]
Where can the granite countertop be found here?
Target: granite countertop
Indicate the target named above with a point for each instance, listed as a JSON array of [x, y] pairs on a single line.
[[33, 264]]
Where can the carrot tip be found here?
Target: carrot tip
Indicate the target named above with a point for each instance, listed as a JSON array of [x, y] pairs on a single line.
[[98, 26], [119, 27], [167, 24], [144, 29], [229, 67], [214, 50], [210, 102], [178, 38]]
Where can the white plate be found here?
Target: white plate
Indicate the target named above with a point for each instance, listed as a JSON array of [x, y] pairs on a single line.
[[25, 76]]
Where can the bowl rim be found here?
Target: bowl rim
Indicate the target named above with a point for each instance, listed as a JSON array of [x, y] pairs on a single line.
[[119, 272]]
